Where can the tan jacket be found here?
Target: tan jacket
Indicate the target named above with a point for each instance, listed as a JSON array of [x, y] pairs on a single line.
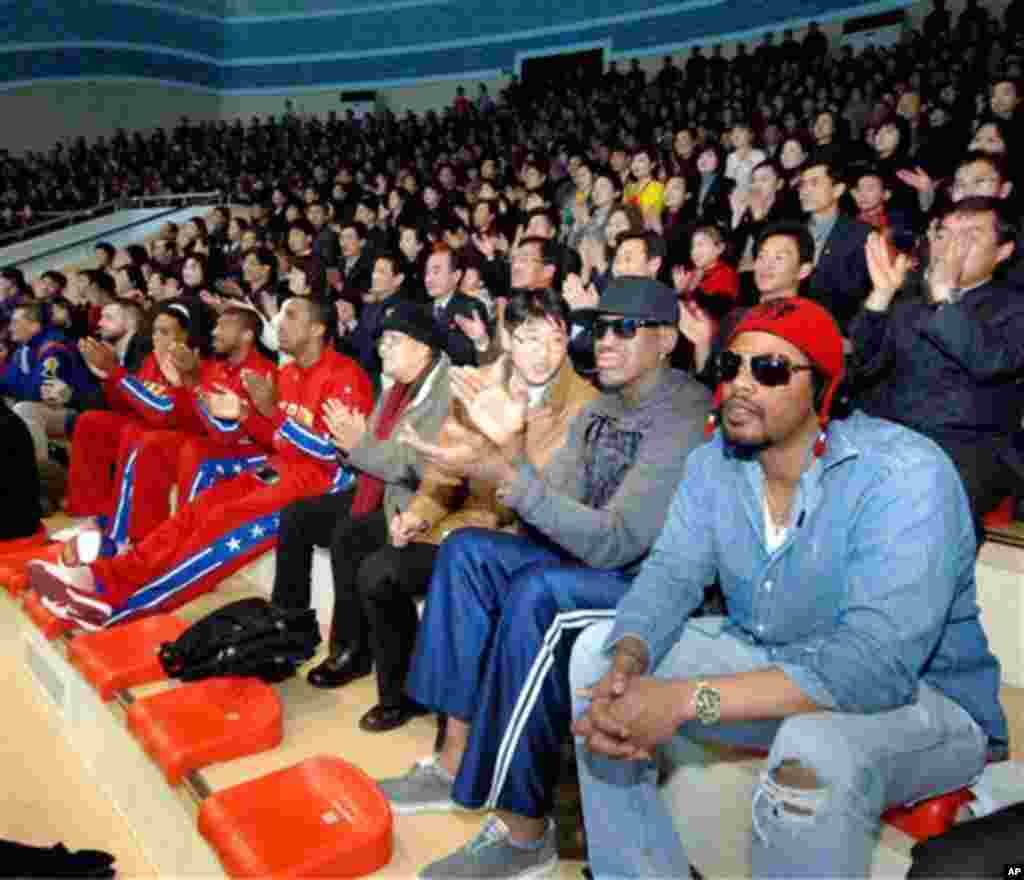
[[447, 503]]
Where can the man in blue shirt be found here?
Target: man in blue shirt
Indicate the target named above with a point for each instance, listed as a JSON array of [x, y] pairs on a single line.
[[44, 368], [852, 646]]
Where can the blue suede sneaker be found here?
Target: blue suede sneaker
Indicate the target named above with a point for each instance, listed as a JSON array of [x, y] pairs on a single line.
[[491, 855]]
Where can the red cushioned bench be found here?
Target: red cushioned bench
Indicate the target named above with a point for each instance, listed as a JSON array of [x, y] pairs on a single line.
[[322, 817], [206, 722], [125, 656]]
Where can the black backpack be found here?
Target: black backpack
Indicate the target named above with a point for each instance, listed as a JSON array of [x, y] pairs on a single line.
[[250, 637]]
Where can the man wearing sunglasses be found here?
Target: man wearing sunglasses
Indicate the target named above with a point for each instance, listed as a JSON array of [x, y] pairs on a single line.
[[503, 610], [851, 647]]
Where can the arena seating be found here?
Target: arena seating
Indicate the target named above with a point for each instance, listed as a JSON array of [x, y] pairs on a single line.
[[123, 657], [338, 823]]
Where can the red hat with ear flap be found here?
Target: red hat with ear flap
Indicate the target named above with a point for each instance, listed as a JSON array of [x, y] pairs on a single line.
[[811, 328]]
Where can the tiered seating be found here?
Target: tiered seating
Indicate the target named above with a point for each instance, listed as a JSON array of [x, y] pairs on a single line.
[[338, 823], [205, 722], [49, 624], [124, 656], [14, 555], [930, 817]]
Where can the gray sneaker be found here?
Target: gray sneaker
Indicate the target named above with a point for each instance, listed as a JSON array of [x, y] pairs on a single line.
[[491, 856], [426, 788]]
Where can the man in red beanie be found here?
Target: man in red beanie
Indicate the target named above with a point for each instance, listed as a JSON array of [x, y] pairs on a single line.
[[851, 649]]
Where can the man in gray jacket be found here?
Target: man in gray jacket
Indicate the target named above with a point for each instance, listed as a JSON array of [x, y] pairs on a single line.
[[354, 524], [503, 610]]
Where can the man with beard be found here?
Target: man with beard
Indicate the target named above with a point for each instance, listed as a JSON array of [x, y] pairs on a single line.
[[198, 450], [851, 645], [232, 523]]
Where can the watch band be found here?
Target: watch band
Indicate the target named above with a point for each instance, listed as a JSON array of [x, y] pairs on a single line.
[[707, 703]]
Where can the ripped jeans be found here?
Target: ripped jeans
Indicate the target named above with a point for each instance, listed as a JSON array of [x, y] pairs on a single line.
[[860, 764]]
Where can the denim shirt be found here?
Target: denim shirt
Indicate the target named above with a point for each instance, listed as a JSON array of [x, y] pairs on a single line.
[[872, 591]]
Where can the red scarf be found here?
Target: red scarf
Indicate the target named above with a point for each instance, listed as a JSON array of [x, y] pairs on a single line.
[[370, 489], [877, 218]]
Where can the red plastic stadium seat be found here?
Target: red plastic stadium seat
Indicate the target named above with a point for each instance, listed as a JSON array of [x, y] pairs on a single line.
[[49, 624], [16, 546], [12, 561], [930, 817], [1001, 516], [206, 722], [320, 818], [124, 656]]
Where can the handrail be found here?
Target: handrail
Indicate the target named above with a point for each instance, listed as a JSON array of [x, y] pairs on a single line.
[[70, 217]]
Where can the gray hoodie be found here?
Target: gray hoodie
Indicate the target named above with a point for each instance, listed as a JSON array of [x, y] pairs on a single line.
[[605, 494]]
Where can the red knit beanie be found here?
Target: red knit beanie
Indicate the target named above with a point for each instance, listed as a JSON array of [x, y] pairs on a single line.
[[811, 328]]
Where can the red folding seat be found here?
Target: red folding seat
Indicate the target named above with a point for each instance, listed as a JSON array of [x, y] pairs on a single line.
[[930, 817], [16, 546], [13, 558], [49, 624], [206, 722], [125, 656], [1001, 515], [322, 817]]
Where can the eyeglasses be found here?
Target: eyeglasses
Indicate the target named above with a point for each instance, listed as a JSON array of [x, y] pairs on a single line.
[[770, 370], [623, 328], [548, 340], [980, 183]]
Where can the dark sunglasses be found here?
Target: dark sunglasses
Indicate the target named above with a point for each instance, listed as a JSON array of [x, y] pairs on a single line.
[[770, 370], [624, 328]]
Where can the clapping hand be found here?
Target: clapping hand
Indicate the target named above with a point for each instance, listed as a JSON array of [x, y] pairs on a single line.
[[696, 324], [916, 178], [261, 391], [466, 454], [739, 199], [486, 244], [405, 527], [186, 361], [346, 315], [475, 328], [217, 303], [223, 403], [578, 296], [498, 412], [168, 369], [684, 279], [99, 356], [347, 426], [887, 272]]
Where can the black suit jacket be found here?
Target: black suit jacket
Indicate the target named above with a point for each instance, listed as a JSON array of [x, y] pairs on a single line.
[[359, 278], [840, 280], [458, 345]]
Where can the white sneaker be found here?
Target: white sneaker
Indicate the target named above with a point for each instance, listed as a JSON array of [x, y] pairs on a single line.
[[84, 524]]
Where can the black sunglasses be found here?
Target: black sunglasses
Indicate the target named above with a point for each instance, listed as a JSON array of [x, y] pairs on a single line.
[[624, 328], [770, 370]]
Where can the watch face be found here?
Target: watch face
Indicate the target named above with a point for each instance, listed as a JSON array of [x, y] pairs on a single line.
[[707, 705]]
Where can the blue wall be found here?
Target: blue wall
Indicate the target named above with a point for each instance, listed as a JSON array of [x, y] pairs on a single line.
[[210, 44]]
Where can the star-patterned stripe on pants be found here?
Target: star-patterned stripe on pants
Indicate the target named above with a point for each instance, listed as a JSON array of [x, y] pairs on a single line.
[[205, 541]]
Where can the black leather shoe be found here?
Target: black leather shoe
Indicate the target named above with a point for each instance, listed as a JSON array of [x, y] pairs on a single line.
[[340, 669], [381, 719]]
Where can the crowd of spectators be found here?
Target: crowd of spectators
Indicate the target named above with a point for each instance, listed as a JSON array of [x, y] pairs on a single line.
[[377, 257], [780, 87]]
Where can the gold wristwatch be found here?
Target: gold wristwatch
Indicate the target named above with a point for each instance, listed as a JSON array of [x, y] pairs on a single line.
[[707, 703]]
